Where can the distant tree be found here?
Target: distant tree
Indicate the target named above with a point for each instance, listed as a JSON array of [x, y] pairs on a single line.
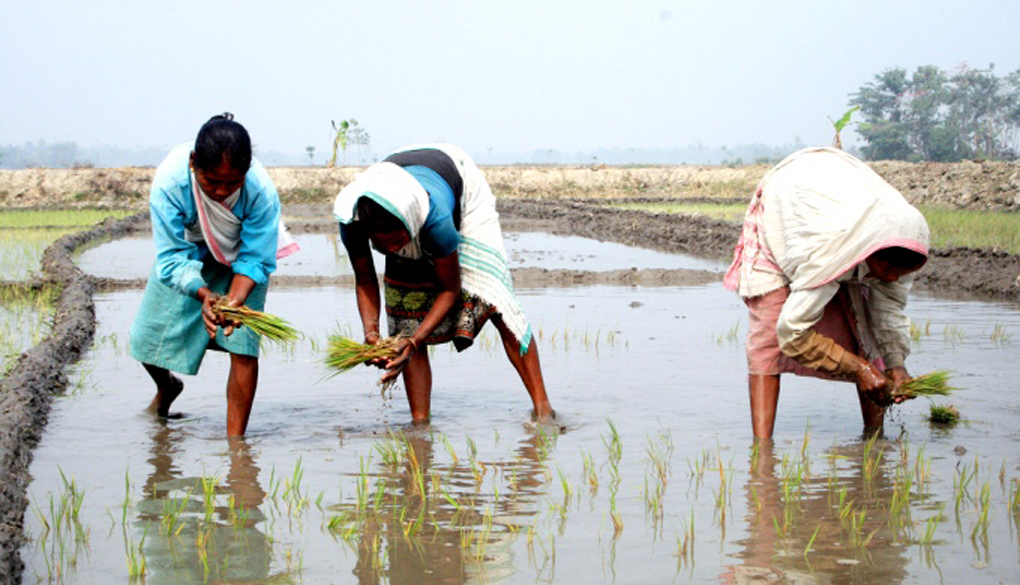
[[311, 153], [932, 115], [359, 137]]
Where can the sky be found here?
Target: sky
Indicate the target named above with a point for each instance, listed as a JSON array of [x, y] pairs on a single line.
[[510, 76]]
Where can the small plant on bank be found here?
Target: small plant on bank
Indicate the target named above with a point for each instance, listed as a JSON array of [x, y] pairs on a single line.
[[943, 415]]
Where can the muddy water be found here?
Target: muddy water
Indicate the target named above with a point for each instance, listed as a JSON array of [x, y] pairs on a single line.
[[332, 486], [324, 255]]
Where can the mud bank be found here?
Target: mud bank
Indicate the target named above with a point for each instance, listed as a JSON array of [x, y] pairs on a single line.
[[954, 271], [523, 278], [26, 392], [970, 185]]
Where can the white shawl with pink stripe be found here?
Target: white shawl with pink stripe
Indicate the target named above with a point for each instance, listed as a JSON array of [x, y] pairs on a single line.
[[816, 215], [220, 229]]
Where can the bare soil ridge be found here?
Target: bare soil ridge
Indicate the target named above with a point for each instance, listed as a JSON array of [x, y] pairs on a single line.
[[972, 185], [955, 271], [38, 375]]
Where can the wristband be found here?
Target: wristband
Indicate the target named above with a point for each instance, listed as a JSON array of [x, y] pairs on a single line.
[[413, 343]]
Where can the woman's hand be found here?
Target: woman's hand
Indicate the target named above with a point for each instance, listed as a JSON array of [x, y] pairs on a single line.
[[372, 338], [873, 382], [405, 348], [898, 376], [210, 319]]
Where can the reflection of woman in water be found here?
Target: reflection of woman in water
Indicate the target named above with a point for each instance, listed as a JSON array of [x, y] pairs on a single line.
[[215, 223], [430, 210], [178, 559], [435, 554], [813, 506], [825, 263]]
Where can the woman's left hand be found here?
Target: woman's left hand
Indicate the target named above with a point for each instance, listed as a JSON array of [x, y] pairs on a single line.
[[405, 348], [897, 376]]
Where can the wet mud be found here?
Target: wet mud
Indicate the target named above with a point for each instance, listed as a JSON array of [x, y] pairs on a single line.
[[38, 375], [26, 393]]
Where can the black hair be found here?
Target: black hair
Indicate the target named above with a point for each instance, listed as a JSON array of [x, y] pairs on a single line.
[[221, 139], [377, 218], [901, 257]]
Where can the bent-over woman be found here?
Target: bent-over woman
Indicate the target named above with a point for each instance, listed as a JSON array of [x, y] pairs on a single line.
[[216, 227], [430, 211], [824, 265]]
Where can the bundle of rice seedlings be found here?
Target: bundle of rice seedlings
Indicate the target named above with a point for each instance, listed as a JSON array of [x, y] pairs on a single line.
[[932, 384], [944, 415], [344, 353], [265, 325]]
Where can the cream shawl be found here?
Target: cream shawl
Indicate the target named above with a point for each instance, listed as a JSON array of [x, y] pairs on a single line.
[[816, 215], [483, 259]]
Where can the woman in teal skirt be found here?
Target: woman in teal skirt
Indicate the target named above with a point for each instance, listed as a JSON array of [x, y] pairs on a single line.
[[215, 224]]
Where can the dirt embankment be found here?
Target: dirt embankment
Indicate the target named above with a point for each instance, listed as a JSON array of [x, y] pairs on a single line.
[[987, 185], [38, 375], [956, 271]]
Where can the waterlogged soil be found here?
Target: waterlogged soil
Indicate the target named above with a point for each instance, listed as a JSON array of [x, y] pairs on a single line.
[[648, 474], [325, 487]]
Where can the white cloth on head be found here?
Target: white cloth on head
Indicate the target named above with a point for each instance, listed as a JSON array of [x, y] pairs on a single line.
[[482, 256], [812, 222]]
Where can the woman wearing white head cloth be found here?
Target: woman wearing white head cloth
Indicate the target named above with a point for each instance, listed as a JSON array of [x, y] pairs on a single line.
[[433, 215], [824, 265], [217, 230]]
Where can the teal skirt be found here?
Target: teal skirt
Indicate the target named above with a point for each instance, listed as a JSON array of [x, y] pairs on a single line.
[[169, 333]]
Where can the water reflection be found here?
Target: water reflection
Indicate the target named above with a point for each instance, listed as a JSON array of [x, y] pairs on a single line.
[[202, 529], [419, 516], [803, 527]]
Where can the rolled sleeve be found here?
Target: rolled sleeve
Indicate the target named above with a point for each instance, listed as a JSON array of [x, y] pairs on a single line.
[[801, 311], [799, 341]]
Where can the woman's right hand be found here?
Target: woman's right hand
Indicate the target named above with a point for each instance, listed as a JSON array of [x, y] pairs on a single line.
[[209, 318]]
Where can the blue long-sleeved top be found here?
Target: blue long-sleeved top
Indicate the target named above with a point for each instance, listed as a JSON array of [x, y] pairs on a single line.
[[438, 235], [172, 207]]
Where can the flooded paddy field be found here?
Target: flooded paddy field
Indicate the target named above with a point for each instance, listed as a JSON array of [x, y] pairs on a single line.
[[648, 475]]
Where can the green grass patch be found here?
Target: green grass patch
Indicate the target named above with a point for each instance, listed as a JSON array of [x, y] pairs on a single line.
[[25, 319], [949, 227], [22, 249], [26, 218], [729, 212], [974, 229]]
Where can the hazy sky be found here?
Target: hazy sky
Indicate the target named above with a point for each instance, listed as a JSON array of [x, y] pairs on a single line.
[[516, 75]]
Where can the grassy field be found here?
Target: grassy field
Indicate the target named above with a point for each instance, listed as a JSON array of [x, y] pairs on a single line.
[[949, 227], [32, 218]]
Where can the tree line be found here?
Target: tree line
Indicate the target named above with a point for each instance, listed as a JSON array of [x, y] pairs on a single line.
[[937, 115]]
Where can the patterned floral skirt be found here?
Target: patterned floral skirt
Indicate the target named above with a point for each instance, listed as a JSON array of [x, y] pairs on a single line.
[[411, 290]]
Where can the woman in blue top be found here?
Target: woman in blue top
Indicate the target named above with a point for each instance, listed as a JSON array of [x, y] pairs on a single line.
[[430, 210], [215, 223]]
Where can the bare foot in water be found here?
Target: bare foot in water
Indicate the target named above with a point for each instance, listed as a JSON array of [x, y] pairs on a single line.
[[548, 415], [167, 390]]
